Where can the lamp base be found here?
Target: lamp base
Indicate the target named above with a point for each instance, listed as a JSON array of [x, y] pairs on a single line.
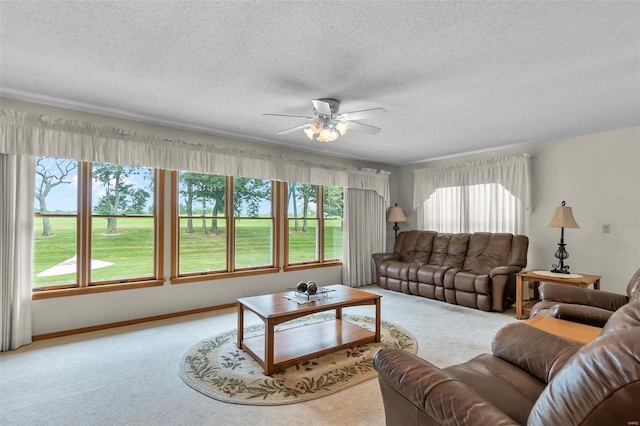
[[561, 271]]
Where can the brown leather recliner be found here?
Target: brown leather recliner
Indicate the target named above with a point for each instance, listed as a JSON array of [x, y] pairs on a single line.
[[587, 306], [531, 377]]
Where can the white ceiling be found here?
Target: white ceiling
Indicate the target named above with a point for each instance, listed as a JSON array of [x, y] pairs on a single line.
[[454, 76]]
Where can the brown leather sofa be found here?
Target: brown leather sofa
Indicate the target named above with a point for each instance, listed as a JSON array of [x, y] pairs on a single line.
[[587, 306], [475, 270], [531, 377]]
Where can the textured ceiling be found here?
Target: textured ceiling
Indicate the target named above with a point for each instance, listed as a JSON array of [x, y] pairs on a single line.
[[454, 76]]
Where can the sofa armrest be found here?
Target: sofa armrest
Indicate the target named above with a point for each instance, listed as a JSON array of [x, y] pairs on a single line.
[[378, 258], [433, 391], [539, 353], [582, 296], [589, 315], [381, 257], [504, 270]]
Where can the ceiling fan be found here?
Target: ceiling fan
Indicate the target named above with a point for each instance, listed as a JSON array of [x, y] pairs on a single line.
[[328, 124]]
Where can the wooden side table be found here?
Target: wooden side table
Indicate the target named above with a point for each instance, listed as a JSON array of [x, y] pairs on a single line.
[[577, 333], [535, 277]]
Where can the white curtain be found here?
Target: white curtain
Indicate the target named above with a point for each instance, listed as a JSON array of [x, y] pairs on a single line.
[[30, 134], [364, 234], [17, 187], [490, 196]]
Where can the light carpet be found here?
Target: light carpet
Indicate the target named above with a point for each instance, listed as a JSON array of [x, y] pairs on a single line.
[[127, 375], [218, 369]]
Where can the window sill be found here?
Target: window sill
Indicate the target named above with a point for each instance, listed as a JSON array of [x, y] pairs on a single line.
[[222, 275], [64, 292], [299, 267]]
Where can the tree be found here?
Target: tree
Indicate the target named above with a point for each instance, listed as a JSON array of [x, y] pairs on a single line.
[[206, 189], [50, 177], [121, 195], [293, 201], [250, 193], [307, 194], [333, 201]]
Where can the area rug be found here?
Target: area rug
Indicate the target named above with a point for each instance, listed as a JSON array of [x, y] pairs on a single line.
[[218, 369]]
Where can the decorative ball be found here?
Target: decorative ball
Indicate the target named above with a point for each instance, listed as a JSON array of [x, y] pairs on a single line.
[[301, 287], [312, 288]]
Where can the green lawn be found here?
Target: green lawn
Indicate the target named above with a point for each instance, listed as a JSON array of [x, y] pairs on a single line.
[[131, 250]]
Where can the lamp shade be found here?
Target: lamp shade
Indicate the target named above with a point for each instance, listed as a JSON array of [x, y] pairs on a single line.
[[563, 218], [396, 214]]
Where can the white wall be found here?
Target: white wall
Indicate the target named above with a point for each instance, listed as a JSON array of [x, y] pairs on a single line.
[[597, 175], [78, 311]]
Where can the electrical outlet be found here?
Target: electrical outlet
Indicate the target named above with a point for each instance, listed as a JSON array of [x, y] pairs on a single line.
[[606, 229]]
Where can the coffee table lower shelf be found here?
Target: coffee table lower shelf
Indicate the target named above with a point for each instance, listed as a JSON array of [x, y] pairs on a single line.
[[302, 343]]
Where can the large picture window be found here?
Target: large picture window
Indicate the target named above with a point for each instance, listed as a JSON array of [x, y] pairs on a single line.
[[224, 226], [95, 224]]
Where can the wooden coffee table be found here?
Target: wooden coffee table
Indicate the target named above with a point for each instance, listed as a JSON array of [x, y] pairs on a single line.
[[577, 333], [275, 351]]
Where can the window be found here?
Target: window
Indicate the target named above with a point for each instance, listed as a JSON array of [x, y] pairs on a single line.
[[474, 208], [202, 245], [253, 223], [55, 225], [333, 216], [224, 226], [314, 224], [95, 224]]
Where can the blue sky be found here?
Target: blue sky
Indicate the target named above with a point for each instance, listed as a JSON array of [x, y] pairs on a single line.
[[63, 197]]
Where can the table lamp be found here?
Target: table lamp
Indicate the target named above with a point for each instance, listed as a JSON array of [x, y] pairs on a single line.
[[396, 214], [562, 218]]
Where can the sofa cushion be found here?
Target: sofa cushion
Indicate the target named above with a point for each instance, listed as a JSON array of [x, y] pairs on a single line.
[[625, 317], [449, 250], [472, 283], [414, 246], [486, 251], [506, 386]]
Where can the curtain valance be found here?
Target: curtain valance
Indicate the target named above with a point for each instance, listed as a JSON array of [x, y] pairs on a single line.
[[38, 135], [512, 172]]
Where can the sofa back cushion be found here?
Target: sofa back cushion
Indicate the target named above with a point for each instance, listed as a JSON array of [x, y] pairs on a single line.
[[414, 246], [633, 288], [488, 250], [625, 317], [599, 385], [449, 250]]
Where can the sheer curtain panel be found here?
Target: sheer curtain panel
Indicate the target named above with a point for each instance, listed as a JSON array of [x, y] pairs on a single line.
[[364, 234], [17, 188], [488, 196]]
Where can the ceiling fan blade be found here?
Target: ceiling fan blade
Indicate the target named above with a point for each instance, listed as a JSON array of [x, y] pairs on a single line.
[[361, 115], [291, 116], [364, 128], [323, 107], [293, 129]]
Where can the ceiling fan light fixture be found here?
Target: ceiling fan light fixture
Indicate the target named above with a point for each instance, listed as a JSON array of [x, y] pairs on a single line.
[[316, 127], [309, 132], [342, 127], [325, 133]]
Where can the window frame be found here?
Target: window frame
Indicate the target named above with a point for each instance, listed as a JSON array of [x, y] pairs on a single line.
[[231, 270], [320, 246], [84, 216]]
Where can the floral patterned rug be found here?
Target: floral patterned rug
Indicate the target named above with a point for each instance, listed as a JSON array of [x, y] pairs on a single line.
[[218, 369]]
